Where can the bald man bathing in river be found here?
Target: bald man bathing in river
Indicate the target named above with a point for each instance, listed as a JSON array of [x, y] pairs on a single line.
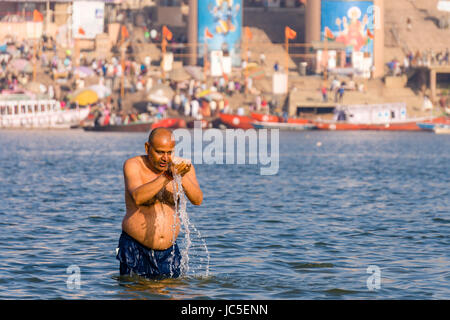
[[146, 245]]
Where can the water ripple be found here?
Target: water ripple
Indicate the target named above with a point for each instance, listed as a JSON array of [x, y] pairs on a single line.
[[309, 232]]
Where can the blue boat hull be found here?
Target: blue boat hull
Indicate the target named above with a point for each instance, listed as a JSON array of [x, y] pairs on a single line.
[[426, 126]]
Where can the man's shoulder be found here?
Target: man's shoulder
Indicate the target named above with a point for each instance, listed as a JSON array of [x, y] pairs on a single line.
[[134, 161]]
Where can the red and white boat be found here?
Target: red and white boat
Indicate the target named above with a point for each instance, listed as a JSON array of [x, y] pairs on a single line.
[[391, 126], [261, 117], [172, 123], [379, 117], [236, 121], [262, 120]]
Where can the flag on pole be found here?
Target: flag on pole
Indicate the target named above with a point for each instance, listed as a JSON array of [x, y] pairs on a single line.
[[248, 33], [124, 32], [167, 33], [289, 33], [208, 35], [328, 34], [37, 16]]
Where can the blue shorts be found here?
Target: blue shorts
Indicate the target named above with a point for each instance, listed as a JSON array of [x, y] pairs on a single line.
[[149, 263]]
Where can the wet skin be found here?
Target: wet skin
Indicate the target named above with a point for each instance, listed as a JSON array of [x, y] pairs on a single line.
[[149, 190]]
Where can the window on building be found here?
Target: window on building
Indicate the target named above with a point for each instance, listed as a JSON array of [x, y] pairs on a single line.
[[170, 3]]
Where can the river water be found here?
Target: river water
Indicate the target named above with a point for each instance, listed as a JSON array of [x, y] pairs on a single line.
[[341, 205]]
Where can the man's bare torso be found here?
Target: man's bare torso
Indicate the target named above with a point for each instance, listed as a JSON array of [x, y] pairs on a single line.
[[151, 224]]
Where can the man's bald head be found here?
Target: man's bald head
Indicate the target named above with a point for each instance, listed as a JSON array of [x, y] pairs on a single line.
[[160, 135], [159, 148]]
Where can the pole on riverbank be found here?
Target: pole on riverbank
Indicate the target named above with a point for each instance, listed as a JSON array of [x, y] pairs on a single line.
[[34, 61], [163, 60], [325, 70], [122, 85], [288, 34], [247, 37], [123, 34], [286, 62], [205, 59]]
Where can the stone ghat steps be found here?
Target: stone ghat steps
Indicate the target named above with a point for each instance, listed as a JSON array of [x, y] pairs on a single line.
[[425, 33], [274, 52]]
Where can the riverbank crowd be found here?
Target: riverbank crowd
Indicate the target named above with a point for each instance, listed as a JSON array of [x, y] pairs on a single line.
[[62, 75]]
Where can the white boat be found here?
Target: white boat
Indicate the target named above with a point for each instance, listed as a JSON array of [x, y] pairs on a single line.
[[442, 129], [42, 114]]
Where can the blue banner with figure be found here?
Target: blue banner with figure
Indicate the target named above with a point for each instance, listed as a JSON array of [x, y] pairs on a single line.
[[220, 26]]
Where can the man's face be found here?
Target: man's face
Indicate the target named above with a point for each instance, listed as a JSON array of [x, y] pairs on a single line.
[[160, 152]]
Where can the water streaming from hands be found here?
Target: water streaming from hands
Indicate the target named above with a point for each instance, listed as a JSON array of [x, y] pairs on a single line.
[[186, 224]]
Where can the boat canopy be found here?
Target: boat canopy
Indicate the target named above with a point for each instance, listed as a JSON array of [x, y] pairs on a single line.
[[28, 107]]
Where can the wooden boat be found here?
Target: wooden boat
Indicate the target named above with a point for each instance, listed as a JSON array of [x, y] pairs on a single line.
[[236, 122], [130, 127], [283, 126], [141, 126], [39, 114], [203, 123]]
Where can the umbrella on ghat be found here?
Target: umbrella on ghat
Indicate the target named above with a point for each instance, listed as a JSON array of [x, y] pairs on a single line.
[[84, 71], [20, 65], [160, 94], [84, 97]]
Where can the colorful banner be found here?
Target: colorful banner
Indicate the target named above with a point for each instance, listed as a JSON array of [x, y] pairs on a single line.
[[221, 19], [88, 16], [349, 22]]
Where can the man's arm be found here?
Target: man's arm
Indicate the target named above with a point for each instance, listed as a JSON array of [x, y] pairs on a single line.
[[141, 192], [192, 188]]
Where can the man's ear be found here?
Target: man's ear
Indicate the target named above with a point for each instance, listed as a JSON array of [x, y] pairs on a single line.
[[147, 147]]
